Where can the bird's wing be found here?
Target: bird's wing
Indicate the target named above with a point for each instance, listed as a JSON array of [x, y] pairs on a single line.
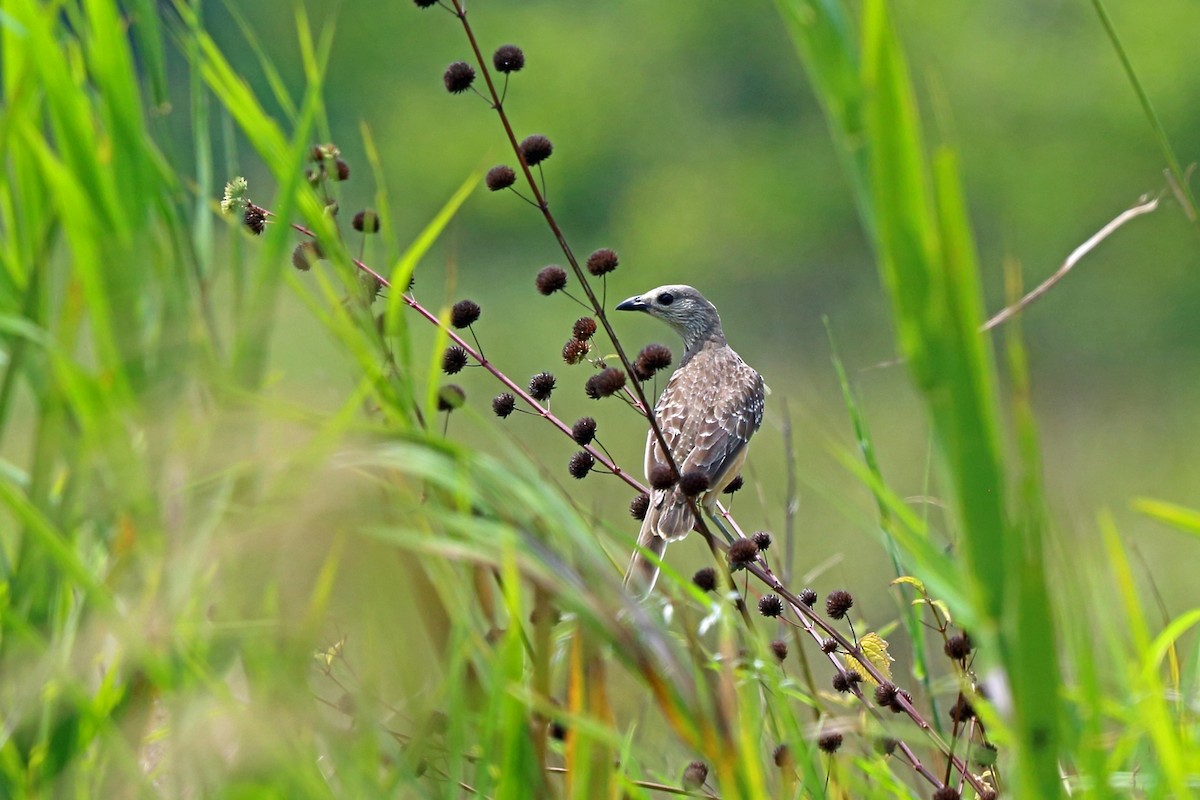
[[724, 428]]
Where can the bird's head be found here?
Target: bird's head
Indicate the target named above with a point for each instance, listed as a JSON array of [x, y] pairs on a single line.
[[681, 307]]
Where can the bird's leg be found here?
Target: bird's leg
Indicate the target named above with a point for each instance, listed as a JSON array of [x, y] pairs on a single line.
[[710, 508]]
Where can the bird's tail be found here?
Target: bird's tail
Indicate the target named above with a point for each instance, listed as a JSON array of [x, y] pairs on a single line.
[[642, 572]]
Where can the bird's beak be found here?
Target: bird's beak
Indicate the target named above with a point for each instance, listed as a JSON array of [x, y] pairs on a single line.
[[635, 303]]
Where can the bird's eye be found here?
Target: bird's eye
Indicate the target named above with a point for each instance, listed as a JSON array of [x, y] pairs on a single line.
[[666, 298]]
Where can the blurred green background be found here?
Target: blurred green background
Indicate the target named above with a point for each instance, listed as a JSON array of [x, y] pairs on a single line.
[[686, 138]]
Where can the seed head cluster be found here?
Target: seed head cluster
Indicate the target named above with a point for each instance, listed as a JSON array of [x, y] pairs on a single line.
[[830, 742], [838, 603], [762, 539], [705, 578], [769, 605], [583, 431], [454, 359], [464, 313], [365, 221], [508, 58], [779, 648], [450, 397], [500, 177], [958, 647], [605, 383], [694, 775], [255, 218], [734, 485], [662, 476], [693, 483], [808, 597], [535, 149], [581, 464], [961, 711], [782, 756], [639, 505], [503, 404], [575, 351], [829, 645], [541, 385], [458, 77], [602, 262], [584, 328], [654, 357], [551, 279], [741, 553]]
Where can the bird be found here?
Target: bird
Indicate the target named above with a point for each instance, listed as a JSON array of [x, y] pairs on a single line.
[[711, 407]]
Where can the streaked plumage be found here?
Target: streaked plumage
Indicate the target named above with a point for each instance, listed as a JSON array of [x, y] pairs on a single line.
[[708, 411]]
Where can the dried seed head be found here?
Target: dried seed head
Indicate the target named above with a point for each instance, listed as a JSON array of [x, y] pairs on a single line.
[[551, 279], [451, 397], [838, 603], [500, 177], [583, 431], [605, 383], [694, 775], [961, 711], [453, 359], [734, 485], [947, 792], [841, 682], [508, 58], [853, 676], [885, 694], [705, 579], [653, 358], [255, 218], [584, 328], [808, 597], [662, 476], [958, 647], [829, 646], [769, 605], [741, 553], [503, 404], [536, 149], [464, 313], [581, 464], [425, 3], [541, 385], [830, 742], [762, 539], [458, 77], [693, 482], [782, 756], [639, 505], [342, 172], [575, 350], [779, 648], [305, 255], [602, 262], [365, 221]]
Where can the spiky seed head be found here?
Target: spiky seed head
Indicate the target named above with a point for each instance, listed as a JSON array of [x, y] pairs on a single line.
[[808, 597], [584, 328], [503, 404], [536, 149], [453, 359], [779, 648], [693, 482], [741, 553], [639, 505], [947, 792], [458, 77], [694, 775], [830, 742], [583, 431], [962, 710], [854, 677], [450, 397], [958, 647], [366, 221], [838, 603], [762, 539], [655, 357], [541, 385], [829, 645], [551, 279], [342, 171], [602, 262], [782, 756], [734, 485], [255, 219], [305, 255], [841, 682], [508, 58], [605, 383], [705, 578], [885, 694], [575, 350], [769, 605], [662, 476], [581, 464], [500, 177], [464, 313]]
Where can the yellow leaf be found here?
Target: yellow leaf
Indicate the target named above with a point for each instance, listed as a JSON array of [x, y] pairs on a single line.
[[911, 581], [875, 648]]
